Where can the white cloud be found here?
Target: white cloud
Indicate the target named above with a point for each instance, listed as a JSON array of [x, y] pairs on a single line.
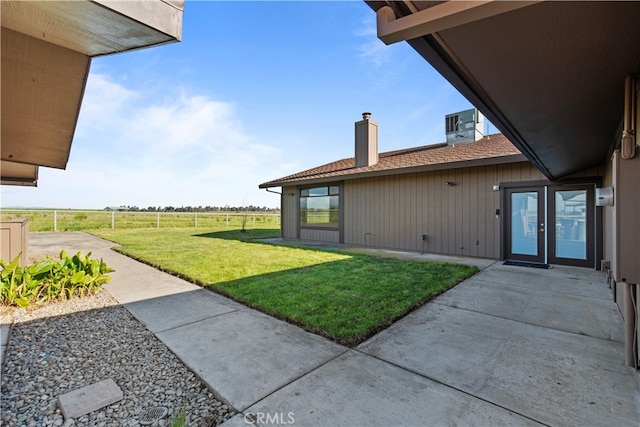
[[104, 101], [135, 148], [372, 50]]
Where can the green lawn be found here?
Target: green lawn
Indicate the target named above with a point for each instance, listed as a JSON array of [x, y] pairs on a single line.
[[344, 296]]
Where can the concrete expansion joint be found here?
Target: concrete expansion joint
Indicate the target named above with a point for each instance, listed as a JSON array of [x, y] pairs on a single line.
[[197, 321], [337, 356], [522, 322], [437, 381]]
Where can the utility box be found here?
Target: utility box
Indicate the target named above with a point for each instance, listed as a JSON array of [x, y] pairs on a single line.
[[604, 196], [14, 236]]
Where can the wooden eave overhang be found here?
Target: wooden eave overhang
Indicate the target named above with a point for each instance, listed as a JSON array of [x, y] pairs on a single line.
[[549, 75], [12, 173], [47, 48]]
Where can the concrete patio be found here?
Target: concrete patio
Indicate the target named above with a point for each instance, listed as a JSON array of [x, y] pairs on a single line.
[[509, 346]]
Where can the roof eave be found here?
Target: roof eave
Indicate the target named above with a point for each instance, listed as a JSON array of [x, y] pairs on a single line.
[[46, 54], [515, 158]]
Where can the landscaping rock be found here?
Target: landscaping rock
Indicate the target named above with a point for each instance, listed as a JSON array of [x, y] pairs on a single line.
[[62, 347]]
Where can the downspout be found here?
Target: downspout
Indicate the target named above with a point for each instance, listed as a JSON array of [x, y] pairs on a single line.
[[628, 143], [271, 191]]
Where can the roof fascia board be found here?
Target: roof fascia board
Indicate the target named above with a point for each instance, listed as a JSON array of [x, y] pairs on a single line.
[[515, 158], [163, 16], [450, 14], [14, 173], [96, 27]]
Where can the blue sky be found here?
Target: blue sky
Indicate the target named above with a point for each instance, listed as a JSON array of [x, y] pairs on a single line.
[[255, 91]]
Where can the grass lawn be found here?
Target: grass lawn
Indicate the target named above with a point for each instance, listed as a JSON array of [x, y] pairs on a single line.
[[344, 296]]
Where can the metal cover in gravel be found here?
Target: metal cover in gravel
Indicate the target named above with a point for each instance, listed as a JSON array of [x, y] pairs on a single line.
[[153, 415]]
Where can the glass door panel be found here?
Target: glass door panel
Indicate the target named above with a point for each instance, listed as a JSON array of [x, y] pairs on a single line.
[[571, 224], [573, 215], [524, 223]]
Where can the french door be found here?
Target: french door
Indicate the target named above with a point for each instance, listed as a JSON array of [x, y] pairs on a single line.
[[525, 239], [551, 225]]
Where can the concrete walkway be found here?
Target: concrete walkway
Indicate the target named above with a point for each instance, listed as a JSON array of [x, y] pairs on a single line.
[[509, 346]]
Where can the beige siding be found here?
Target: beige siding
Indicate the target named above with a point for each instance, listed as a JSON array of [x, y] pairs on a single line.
[[290, 212], [394, 211], [331, 236]]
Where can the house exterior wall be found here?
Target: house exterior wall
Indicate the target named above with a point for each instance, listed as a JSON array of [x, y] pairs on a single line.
[[289, 207], [395, 211], [622, 231], [621, 228], [624, 247], [331, 236], [627, 228]]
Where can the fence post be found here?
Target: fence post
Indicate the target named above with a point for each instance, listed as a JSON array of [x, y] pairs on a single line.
[[55, 220], [113, 220], [227, 219], [158, 221], [196, 219]]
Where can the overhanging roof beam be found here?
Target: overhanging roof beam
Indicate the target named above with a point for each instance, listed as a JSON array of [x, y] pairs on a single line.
[[438, 18]]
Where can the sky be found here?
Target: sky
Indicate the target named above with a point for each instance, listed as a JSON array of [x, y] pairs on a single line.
[[254, 91]]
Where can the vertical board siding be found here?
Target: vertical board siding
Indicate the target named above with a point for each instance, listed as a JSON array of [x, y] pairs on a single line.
[[331, 236], [289, 212], [394, 211]]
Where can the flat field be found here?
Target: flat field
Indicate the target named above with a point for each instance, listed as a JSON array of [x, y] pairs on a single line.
[[79, 220]]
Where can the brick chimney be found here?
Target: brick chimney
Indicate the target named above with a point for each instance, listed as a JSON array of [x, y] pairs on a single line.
[[366, 141]]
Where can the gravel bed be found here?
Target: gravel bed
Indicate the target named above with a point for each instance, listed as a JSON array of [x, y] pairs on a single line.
[[64, 346]]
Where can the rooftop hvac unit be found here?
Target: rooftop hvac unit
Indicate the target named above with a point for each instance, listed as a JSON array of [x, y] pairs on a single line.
[[464, 127]]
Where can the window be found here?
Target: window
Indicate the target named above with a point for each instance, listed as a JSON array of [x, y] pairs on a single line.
[[319, 206]]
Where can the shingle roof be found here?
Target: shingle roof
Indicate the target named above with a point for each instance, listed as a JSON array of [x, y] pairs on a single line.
[[494, 148]]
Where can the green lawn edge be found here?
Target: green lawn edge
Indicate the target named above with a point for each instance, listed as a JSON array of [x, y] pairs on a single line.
[[344, 296]]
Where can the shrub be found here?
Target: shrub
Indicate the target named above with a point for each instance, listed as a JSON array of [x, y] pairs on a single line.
[[49, 280]]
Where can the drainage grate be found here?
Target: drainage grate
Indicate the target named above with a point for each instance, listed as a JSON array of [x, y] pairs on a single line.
[[153, 415]]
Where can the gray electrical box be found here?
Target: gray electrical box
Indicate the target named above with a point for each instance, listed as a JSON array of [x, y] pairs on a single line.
[[604, 196]]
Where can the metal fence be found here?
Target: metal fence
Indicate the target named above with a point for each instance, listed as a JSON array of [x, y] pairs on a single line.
[[76, 220]]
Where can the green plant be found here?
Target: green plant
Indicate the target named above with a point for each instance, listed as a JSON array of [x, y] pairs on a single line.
[[180, 420], [48, 280]]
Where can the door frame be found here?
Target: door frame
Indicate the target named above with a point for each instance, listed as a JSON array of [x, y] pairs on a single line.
[[596, 249]]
